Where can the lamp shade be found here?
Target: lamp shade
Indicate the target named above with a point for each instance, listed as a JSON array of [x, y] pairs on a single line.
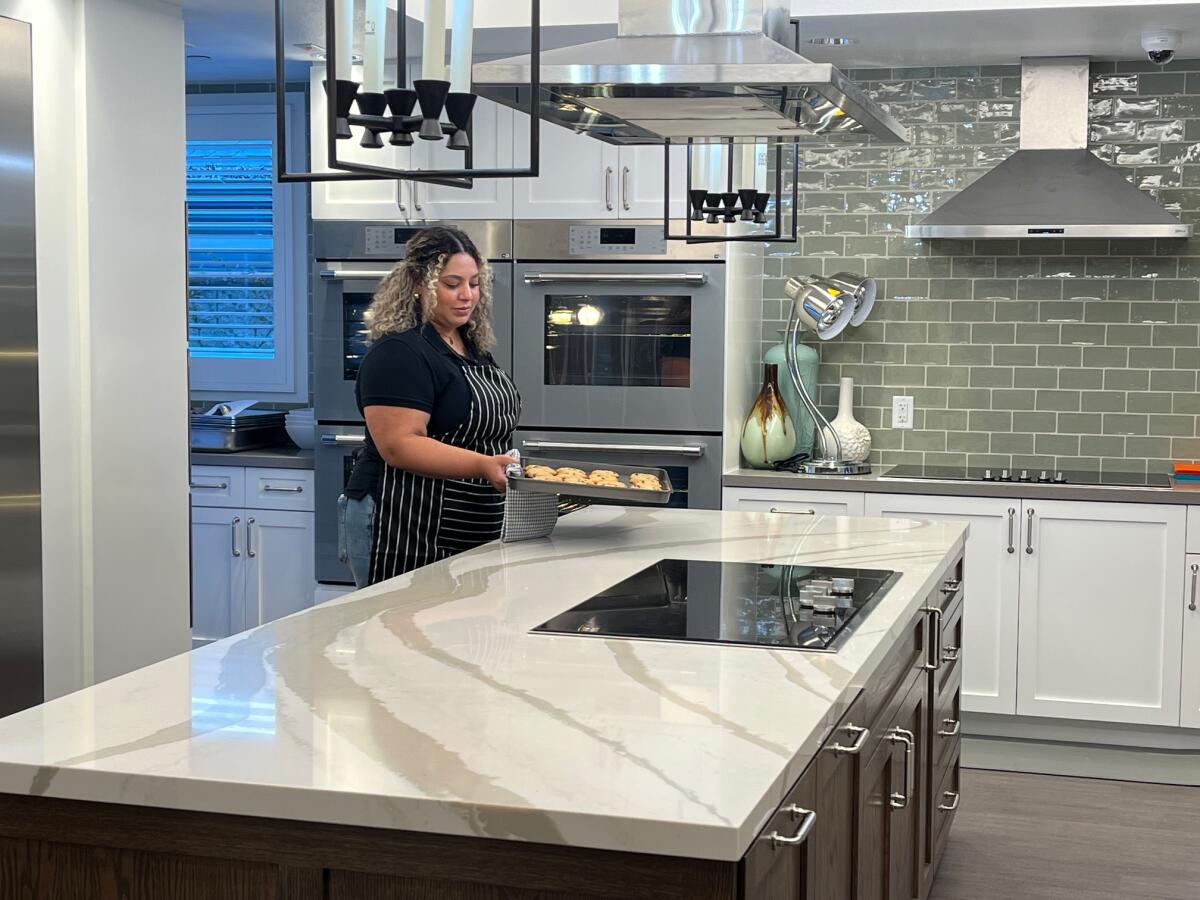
[[861, 288], [820, 311]]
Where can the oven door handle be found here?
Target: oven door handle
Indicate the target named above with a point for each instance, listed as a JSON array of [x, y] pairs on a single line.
[[693, 450], [343, 439], [685, 278], [350, 274]]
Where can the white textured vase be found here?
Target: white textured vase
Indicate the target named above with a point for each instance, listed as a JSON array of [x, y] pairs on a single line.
[[856, 440]]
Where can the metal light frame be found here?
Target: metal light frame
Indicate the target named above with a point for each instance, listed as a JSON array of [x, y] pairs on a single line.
[[774, 237], [859, 292], [461, 178]]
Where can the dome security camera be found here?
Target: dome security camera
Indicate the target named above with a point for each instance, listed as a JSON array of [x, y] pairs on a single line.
[[1160, 46]]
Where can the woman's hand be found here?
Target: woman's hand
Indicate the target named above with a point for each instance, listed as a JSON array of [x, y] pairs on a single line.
[[492, 468]]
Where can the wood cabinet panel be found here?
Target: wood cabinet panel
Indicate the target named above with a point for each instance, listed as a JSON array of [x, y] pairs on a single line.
[[907, 845], [832, 850], [777, 867]]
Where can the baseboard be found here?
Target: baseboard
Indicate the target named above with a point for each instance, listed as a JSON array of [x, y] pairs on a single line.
[[1081, 760]]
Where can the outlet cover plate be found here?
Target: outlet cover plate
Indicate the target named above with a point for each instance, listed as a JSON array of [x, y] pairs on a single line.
[[902, 412]]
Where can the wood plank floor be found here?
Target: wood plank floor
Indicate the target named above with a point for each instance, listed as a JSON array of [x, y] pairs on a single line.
[[1040, 837]]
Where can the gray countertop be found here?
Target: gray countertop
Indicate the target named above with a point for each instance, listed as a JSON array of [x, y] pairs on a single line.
[[285, 457], [879, 483]]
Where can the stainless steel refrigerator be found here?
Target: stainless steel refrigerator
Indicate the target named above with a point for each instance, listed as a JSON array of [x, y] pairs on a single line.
[[21, 679]]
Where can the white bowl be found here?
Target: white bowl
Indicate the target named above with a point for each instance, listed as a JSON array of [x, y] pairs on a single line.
[[303, 434]]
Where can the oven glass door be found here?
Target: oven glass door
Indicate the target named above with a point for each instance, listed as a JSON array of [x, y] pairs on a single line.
[[628, 346], [343, 291]]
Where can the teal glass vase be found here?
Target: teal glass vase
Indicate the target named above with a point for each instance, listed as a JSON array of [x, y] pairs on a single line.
[[808, 363]]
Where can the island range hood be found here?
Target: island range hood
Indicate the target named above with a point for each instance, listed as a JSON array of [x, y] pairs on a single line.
[[1053, 186], [706, 70]]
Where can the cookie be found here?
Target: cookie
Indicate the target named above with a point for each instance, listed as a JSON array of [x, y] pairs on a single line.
[[567, 470], [535, 470], [604, 473], [573, 479], [545, 477]]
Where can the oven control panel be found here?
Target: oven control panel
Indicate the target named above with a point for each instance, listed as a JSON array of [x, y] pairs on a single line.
[[388, 240], [599, 240]]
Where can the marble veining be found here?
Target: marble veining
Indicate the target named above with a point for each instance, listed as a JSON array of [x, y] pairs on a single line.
[[426, 704]]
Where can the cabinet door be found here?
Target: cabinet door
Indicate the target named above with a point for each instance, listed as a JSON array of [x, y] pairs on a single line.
[[488, 198], [369, 199], [1190, 706], [642, 186], [579, 175], [785, 502], [832, 845], [279, 564], [218, 576], [992, 569], [778, 865], [1101, 614]]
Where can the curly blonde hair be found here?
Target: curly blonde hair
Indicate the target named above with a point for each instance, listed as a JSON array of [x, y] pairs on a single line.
[[407, 296]]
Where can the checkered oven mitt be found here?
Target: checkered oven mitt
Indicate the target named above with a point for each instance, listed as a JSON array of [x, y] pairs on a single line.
[[527, 515]]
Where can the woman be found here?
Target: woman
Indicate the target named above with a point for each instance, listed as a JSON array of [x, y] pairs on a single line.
[[440, 413]]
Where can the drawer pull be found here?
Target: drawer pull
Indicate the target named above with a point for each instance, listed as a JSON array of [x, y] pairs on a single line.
[[793, 512], [270, 488], [217, 486], [938, 658], [806, 826], [952, 797], [903, 736], [860, 740], [951, 653], [950, 727]]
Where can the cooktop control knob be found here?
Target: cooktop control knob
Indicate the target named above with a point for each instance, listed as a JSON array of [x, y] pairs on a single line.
[[1004, 476], [1060, 478], [1044, 478], [1024, 476], [988, 476], [842, 587]]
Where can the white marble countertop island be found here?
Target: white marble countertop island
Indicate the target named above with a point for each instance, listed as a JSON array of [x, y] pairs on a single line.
[[426, 704]]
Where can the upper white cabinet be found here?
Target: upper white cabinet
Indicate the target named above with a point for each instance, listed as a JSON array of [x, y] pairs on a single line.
[[793, 503], [992, 571], [1101, 612], [579, 179], [642, 183]]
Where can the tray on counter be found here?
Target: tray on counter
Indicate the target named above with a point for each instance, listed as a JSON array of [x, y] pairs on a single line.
[[592, 491]]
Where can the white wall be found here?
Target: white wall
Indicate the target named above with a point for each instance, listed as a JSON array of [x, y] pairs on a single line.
[[109, 194]]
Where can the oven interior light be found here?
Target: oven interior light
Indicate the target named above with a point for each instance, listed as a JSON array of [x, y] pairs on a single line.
[[589, 315]]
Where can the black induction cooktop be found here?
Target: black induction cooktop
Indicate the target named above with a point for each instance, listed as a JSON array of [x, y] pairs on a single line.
[[1029, 476], [756, 604]]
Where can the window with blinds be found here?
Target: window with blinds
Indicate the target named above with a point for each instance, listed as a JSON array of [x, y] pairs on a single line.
[[231, 249]]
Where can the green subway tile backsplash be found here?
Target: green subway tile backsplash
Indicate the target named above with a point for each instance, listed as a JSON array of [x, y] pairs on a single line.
[[1032, 353]]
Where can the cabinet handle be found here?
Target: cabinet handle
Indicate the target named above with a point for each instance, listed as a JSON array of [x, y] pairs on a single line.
[[806, 826], [953, 797], [250, 538], [1195, 572], [219, 486], [860, 740], [624, 187], [414, 187], [950, 654], [936, 641], [400, 195], [237, 550], [608, 201], [903, 736], [951, 587], [270, 488], [792, 512], [1029, 531], [955, 726], [1012, 526]]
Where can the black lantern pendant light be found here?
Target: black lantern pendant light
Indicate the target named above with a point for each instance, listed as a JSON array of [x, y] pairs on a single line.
[[399, 112]]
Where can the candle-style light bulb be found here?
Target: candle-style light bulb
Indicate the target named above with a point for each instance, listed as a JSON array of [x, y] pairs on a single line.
[[462, 39], [374, 33], [433, 52]]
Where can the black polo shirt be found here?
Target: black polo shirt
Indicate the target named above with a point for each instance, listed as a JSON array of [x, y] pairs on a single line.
[[413, 369]]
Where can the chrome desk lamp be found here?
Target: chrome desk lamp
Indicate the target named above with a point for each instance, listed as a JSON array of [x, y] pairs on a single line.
[[826, 305]]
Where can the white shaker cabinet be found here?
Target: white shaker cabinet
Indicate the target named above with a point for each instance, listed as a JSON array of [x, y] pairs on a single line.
[[789, 502], [579, 175], [642, 183], [992, 575], [1190, 701], [1101, 611], [253, 559]]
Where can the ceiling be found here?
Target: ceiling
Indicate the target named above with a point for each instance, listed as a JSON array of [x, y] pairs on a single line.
[[237, 35]]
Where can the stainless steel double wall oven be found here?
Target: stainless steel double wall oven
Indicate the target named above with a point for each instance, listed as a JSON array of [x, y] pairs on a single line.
[[614, 337]]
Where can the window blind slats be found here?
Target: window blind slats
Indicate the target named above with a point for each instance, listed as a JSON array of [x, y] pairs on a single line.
[[231, 249]]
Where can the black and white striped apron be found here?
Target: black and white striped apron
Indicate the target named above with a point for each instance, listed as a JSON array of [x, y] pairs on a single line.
[[420, 520]]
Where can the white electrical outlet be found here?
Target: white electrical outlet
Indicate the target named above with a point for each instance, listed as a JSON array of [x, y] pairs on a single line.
[[902, 412]]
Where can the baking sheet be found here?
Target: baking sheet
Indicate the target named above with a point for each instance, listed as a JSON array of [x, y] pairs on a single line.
[[591, 491]]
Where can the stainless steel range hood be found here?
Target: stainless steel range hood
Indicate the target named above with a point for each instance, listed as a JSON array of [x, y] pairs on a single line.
[[709, 70], [1053, 185]]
